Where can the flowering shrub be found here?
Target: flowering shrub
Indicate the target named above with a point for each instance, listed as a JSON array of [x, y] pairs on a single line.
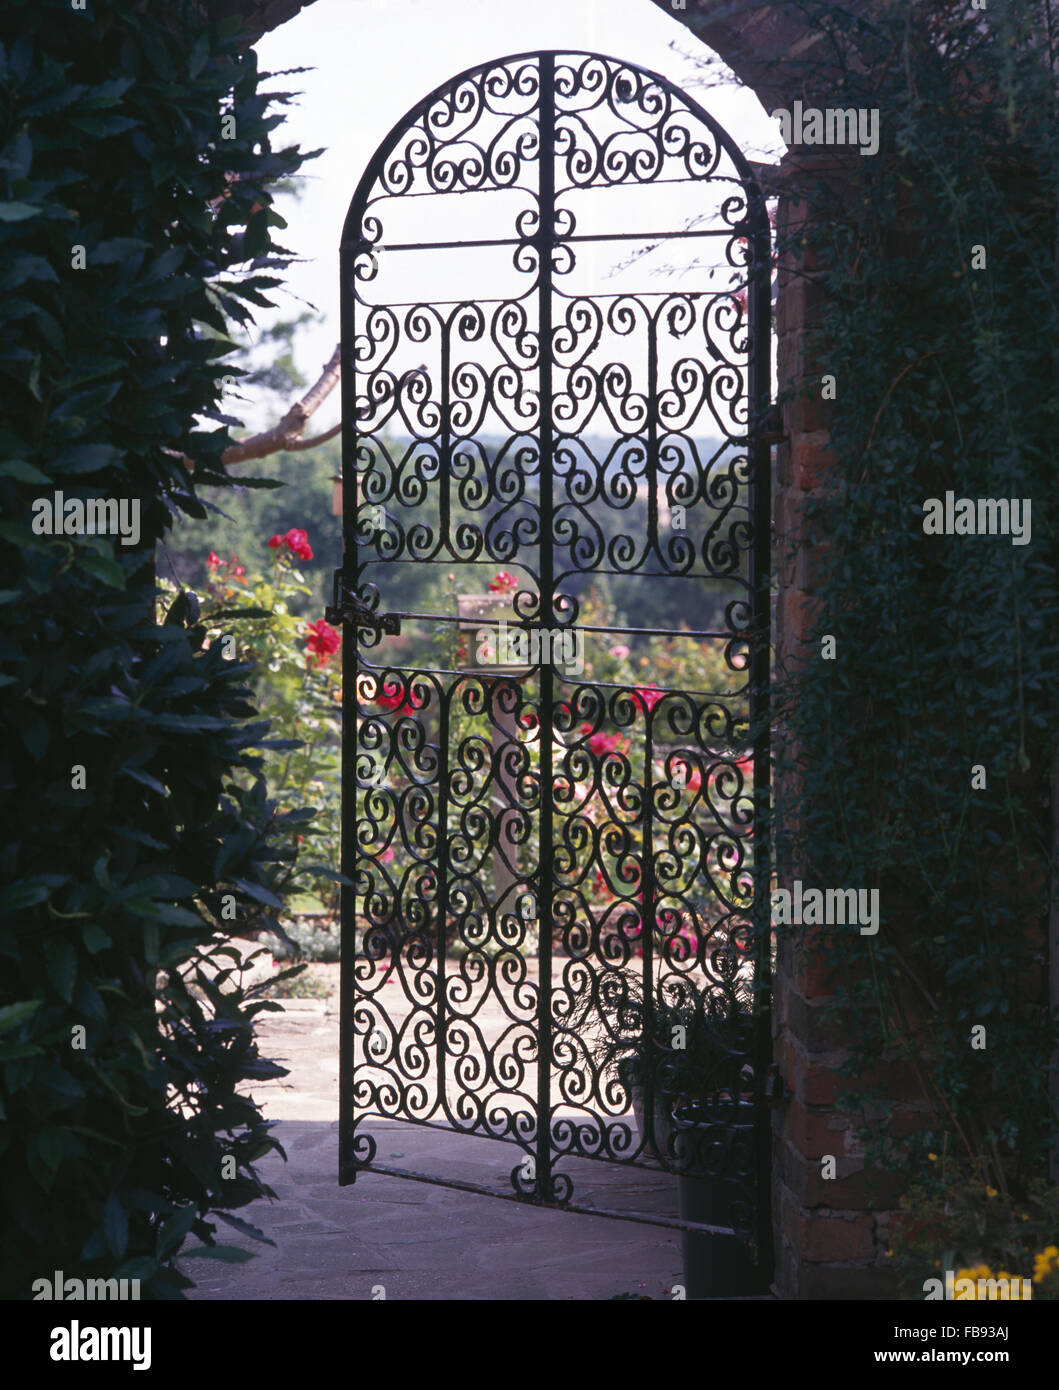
[[956, 1221], [298, 684]]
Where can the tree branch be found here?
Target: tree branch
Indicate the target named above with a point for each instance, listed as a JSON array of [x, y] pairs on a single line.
[[286, 436]]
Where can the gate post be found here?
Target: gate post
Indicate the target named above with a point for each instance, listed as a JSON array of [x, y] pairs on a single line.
[[829, 1234]]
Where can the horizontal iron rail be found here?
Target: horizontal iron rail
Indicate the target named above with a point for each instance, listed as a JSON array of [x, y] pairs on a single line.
[[726, 232], [527, 625], [644, 1218]]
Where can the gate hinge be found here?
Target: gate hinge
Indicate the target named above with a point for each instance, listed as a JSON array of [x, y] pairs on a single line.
[[773, 1087], [772, 426], [346, 603]]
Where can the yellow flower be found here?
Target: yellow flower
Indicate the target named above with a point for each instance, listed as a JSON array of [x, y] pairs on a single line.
[[970, 1274], [888, 1254], [990, 1192], [933, 1158]]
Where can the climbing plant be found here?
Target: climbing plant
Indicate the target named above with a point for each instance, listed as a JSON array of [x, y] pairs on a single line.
[[922, 754]]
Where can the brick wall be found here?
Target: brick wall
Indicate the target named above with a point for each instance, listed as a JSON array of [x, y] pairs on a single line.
[[830, 1234]]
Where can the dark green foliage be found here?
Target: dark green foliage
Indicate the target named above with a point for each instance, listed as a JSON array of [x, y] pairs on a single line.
[[114, 1138], [946, 646]]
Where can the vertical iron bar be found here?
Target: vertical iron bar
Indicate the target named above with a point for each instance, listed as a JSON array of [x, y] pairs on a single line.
[[444, 713], [651, 1052], [546, 619], [350, 792], [652, 434], [759, 306], [444, 732], [445, 438]]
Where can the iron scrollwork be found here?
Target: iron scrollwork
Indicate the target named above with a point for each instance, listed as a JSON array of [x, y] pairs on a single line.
[[548, 868]]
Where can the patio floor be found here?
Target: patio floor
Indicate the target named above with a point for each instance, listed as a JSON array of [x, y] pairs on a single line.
[[414, 1239]]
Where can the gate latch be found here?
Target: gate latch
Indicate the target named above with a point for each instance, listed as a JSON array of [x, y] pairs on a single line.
[[346, 603]]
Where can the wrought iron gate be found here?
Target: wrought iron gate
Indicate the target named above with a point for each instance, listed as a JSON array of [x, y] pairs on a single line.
[[555, 596]]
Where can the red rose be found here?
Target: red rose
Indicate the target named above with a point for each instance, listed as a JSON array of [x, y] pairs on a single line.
[[296, 539], [645, 697], [213, 560], [238, 572], [396, 702], [275, 542], [323, 641], [304, 552], [602, 744]]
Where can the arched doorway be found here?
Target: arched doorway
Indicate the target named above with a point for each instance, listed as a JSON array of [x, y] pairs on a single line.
[[556, 601]]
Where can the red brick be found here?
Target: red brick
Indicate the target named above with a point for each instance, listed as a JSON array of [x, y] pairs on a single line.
[[855, 1189], [807, 1022], [837, 1281], [840, 1238], [797, 614], [811, 459], [811, 968], [819, 1086], [798, 364], [822, 1237], [788, 1055], [817, 1132], [799, 297]]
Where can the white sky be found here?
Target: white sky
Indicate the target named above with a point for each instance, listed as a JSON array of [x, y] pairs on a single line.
[[374, 59]]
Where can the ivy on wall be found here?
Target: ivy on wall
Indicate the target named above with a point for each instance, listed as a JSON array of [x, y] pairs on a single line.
[[135, 226], [925, 747]]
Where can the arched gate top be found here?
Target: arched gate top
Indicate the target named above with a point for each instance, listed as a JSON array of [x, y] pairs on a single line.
[[610, 123]]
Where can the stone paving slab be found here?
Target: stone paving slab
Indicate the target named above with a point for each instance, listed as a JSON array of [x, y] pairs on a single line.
[[421, 1241], [414, 1239]]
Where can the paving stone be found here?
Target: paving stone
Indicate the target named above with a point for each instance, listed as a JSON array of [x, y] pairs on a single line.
[[421, 1240]]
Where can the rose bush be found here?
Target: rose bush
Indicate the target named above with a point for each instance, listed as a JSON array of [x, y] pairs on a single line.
[[298, 685]]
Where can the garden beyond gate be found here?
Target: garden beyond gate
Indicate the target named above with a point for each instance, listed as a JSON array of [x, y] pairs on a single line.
[[556, 607]]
